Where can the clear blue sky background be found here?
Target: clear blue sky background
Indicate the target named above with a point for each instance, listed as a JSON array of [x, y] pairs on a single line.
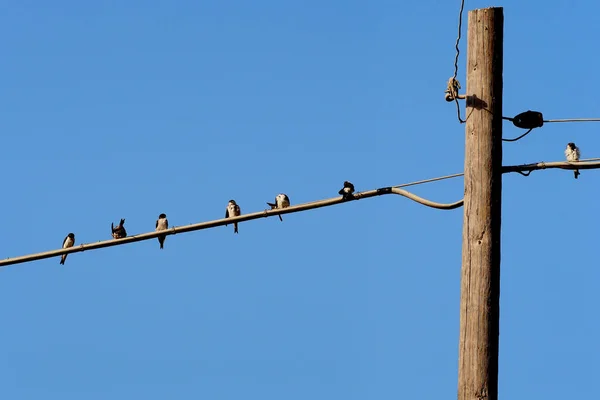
[[129, 109]]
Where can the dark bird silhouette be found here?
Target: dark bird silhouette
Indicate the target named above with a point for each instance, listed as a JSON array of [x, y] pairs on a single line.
[[281, 201], [347, 191], [233, 210], [119, 232], [68, 242], [162, 223]]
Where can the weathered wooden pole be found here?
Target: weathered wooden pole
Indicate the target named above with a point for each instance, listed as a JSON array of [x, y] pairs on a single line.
[[480, 281]]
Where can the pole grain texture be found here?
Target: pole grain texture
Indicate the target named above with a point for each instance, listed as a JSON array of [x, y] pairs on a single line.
[[480, 273]]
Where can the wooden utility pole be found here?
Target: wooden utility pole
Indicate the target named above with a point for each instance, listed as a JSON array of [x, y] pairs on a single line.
[[480, 281]]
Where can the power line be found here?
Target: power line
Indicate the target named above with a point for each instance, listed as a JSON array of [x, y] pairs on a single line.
[[524, 169], [441, 178], [534, 119], [526, 120], [220, 222], [573, 120]]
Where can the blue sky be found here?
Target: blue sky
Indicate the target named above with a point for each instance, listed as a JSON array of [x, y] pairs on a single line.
[[130, 109]]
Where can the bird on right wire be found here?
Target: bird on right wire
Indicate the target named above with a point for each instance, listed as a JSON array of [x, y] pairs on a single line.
[[281, 201], [119, 232], [162, 223], [573, 154], [347, 191], [68, 242], [233, 210]]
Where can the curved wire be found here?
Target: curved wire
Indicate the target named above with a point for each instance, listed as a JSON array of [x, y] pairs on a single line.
[[517, 138], [428, 203], [462, 6]]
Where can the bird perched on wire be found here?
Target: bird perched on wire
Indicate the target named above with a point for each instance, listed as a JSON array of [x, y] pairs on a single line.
[[281, 201], [573, 154], [119, 232], [233, 210], [347, 191], [162, 223], [68, 242]]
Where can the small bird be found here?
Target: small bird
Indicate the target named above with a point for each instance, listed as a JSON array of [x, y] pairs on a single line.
[[347, 191], [573, 154], [119, 232], [68, 242], [233, 210], [281, 201], [162, 223]]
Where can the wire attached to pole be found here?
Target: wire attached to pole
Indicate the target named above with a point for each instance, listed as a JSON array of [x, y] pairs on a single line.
[[573, 120], [535, 119], [453, 84], [517, 138]]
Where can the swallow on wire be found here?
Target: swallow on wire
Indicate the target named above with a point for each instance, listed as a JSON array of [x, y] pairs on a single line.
[[119, 232], [68, 242], [162, 223], [233, 210], [281, 201], [347, 191], [572, 153]]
